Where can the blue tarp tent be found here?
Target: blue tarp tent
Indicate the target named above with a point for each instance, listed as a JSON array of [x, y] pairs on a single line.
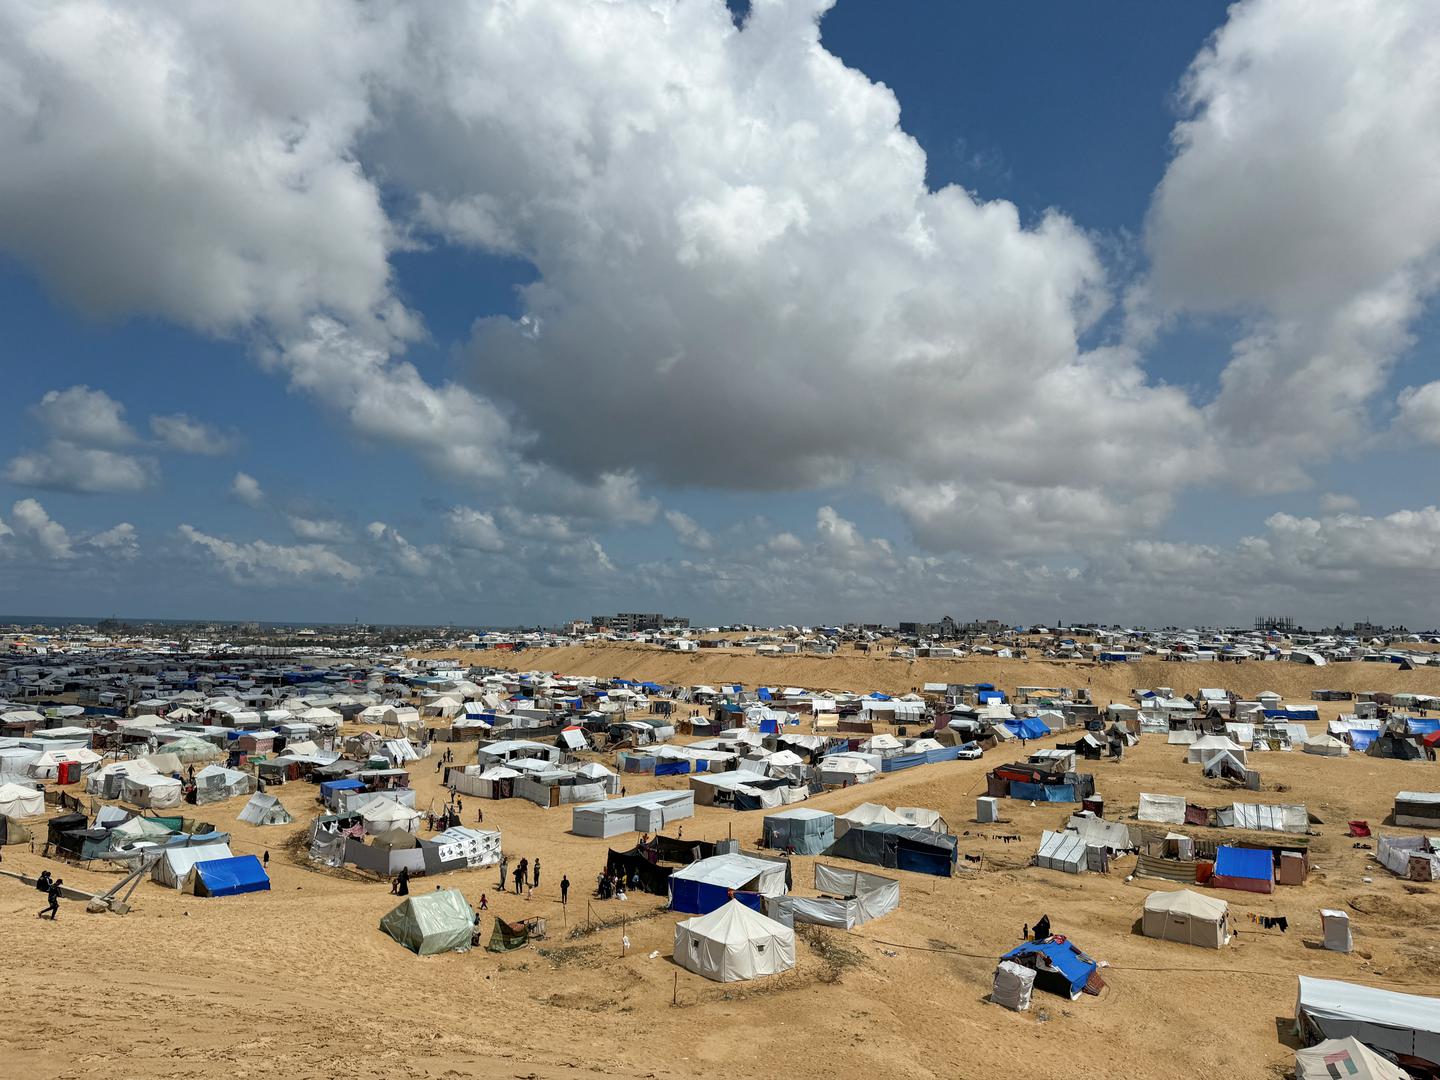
[[1422, 725], [671, 766], [701, 898], [1059, 966], [227, 877], [764, 694], [990, 697], [1019, 789], [1292, 714], [1246, 869], [1030, 728], [1361, 738], [330, 787]]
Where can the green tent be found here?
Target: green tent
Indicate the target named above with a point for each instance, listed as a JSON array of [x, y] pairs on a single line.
[[508, 935], [429, 923]]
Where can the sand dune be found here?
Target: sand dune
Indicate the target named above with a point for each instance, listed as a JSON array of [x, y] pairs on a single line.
[[300, 982]]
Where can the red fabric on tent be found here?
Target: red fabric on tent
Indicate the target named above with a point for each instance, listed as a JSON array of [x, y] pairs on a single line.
[[1359, 828]]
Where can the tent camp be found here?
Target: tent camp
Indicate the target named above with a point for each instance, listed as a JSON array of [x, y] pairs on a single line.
[[1347, 1058], [808, 832], [733, 943], [708, 884], [432, 922], [18, 801], [226, 877], [1187, 917], [1246, 869], [263, 809], [1383, 1019]]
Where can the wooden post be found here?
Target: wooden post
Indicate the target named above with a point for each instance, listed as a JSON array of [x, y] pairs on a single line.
[[675, 995]]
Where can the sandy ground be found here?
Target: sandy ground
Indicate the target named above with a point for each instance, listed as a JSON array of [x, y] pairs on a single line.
[[300, 982]]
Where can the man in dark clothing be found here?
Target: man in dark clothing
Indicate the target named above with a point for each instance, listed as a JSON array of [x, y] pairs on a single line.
[[267, 860], [519, 880], [535, 875], [564, 890], [54, 894]]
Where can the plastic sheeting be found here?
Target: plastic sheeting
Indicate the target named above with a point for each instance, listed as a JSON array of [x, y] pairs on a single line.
[[1013, 985], [1383, 1019]]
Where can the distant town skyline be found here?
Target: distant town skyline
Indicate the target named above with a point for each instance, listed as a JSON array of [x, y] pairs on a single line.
[[793, 311]]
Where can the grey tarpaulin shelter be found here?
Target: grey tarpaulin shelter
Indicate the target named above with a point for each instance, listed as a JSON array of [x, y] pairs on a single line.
[[853, 898], [808, 831]]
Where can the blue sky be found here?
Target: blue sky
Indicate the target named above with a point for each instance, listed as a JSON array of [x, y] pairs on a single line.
[[499, 316]]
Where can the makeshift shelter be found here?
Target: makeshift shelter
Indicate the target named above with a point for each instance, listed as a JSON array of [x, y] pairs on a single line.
[[190, 749], [1347, 1059], [1383, 1019], [648, 811], [507, 936], [709, 883], [1059, 966], [226, 877], [1201, 750], [473, 847], [805, 831], [734, 943], [898, 847], [18, 801], [1245, 869], [1186, 917], [867, 814], [1164, 809], [1012, 985], [215, 783], [385, 815], [1336, 927], [854, 898], [263, 809], [1391, 745], [433, 922], [1419, 809]]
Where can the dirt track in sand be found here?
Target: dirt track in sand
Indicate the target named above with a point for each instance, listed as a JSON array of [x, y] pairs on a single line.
[[300, 982]]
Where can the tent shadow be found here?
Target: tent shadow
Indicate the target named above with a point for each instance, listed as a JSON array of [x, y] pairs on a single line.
[[1285, 1032], [1137, 927]]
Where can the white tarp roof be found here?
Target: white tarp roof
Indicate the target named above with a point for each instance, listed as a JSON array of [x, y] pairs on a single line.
[[1186, 902], [1384, 1019], [1279, 818], [733, 871]]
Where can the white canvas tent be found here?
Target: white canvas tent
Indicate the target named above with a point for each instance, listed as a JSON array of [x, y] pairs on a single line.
[[383, 815], [18, 801], [1327, 746], [1201, 750], [151, 790], [1186, 917], [1347, 1058], [867, 814], [734, 943]]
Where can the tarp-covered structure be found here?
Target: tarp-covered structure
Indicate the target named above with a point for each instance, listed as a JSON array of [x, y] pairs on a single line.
[[1245, 869], [264, 809], [216, 783], [433, 922], [1060, 967], [898, 847], [805, 831], [710, 883], [853, 898], [734, 943], [18, 801], [1384, 1019], [226, 877]]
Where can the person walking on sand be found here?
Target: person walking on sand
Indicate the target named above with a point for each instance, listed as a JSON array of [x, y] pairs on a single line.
[[535, 875], [504, 870], [266, 860], [564, 890], [484, 902], [54, 894]]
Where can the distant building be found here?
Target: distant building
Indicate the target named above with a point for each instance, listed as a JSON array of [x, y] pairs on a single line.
[[630, 622]]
